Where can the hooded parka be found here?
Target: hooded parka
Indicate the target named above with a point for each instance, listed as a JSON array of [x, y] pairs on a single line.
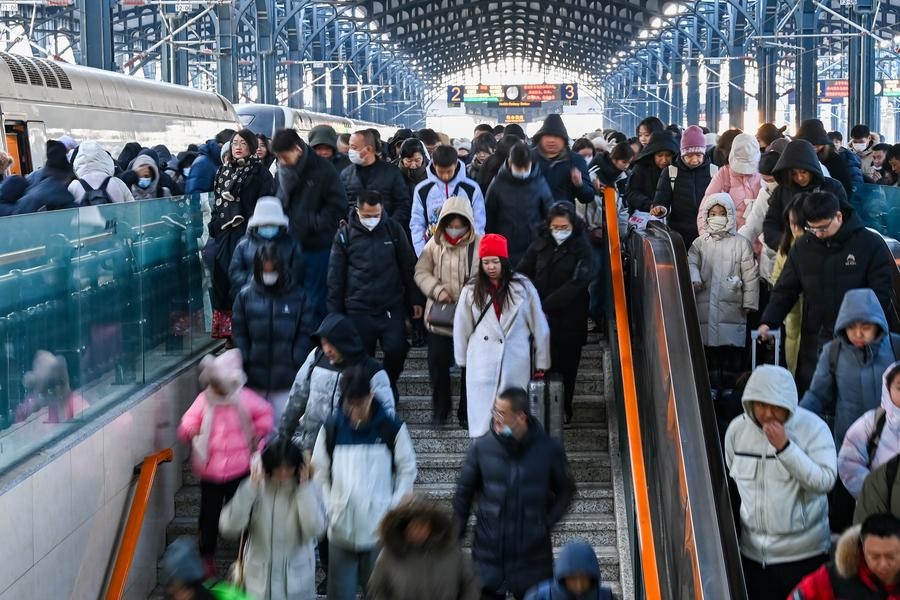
[[682, 199], [723, 262], [577, 558], [498, 354], [437, 569], [283, 521], [93, 164], [784, 507], [516, 208], [645, 175], [853, 384], [444, 266], [154, 190], [557, 171]]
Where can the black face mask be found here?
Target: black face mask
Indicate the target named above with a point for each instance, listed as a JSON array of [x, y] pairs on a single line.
[[412, 173]]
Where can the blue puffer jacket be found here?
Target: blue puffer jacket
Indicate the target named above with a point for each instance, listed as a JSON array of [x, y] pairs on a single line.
[[853, 386], [558, 173], [204, 168], [577, 558], [50, 194]]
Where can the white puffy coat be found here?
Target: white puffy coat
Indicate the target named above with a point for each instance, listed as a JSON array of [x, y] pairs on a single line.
[[93, 164], [724, 264], [497, 355], [753, 227], [784, 507], [283, 521]]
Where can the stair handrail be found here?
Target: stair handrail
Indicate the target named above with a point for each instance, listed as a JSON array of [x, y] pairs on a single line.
[[132, 533], [652, 588]]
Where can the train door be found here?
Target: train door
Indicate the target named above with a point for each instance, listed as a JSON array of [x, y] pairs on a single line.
[[18, 146], [37, 140]]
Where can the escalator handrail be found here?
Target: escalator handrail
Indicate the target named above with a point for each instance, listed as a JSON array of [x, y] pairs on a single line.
[[650, 573]]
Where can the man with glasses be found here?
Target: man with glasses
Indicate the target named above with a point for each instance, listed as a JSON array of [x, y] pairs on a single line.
[[524, 486], [836, 254]]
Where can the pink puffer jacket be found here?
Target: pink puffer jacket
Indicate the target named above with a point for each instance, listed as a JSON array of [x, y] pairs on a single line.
[[228, 450]]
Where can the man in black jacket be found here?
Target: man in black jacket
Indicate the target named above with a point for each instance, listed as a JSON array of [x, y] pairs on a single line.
[[314, 200], [369, 173], [370, 279], [837, 254], [524, 486], [565, 171]]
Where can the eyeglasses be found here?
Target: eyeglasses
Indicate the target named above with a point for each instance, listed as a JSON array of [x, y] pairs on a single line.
[[820, 229]]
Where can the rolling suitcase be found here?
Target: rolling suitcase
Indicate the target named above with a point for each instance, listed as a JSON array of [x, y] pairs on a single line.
[[547, 404], [754, 342]]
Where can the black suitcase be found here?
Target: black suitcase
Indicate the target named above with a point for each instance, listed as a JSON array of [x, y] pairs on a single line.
[[547, 404]]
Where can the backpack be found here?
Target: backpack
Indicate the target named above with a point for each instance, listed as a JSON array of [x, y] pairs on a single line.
[[673, 173], [94, 197]]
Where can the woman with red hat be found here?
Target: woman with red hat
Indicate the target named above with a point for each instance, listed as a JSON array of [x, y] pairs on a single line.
[[500, 333]]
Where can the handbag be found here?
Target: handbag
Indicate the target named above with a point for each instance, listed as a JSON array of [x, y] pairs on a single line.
[[441, 314], [236, 571]]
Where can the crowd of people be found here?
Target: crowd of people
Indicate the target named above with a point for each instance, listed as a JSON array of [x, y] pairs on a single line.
[[489, 253]]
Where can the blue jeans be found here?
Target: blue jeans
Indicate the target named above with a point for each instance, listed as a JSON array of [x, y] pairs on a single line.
[[347, 569], [315, 281]]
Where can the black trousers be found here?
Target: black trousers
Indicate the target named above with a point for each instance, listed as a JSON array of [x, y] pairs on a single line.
[[440, 359], [390, 330], [213, 496], [777, 581], [565, 357]]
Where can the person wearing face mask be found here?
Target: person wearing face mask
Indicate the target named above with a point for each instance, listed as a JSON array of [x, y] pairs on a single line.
[[147, 185], [370, 279], [412, 159], [517, 201], [647, 168], [862, 140], [94, 167], [239, 183], [560, 264], [519, 479], [446, 263], [267, 226], [282, 511], [683, 184], [500, 332], [844, 167], [271, 324], [726, 284], [368, 173]]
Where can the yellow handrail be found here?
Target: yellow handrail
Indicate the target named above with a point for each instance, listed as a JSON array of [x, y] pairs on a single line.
[[649, 568], [132, 533]]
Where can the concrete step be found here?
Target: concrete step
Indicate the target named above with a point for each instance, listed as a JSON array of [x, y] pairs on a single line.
[[419, 361], [449, 439], [444, 468], [591, 497], [417, 383], [587, 351], [416, 410]]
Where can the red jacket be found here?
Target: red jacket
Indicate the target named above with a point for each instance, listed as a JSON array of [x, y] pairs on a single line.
[[847, 578]]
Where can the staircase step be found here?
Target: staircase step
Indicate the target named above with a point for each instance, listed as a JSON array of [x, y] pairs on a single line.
[[419, 362], [417, 409], [451, 439], [444, 468], [417, 383], [591, 497]]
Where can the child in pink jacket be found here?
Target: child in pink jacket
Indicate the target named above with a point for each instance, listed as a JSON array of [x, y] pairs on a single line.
[[224, 426], [740, 179]]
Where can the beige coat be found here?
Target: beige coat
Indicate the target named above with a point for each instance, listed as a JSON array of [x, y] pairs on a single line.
[[443, 266]]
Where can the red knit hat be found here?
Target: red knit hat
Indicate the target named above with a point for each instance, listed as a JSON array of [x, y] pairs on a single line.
[[493, 245]]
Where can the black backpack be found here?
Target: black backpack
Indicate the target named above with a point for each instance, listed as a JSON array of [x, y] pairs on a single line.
[[94, 197]]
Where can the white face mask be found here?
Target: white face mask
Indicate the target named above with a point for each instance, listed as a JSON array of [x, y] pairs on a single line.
[[186, 171], [561, 236], [520, 174], [770, 185], [859, 146], [370, 222], [456, 232], [716, 223], [269, 278], [355, 157]]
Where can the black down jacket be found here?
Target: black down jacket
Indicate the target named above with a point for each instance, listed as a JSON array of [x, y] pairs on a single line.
[[313, 198], [823, 270], [272, 326], [515, 208], [799, 154], [522, 488], [371, 272], [385, 179], [642, 185], [683, 202], [240, 272], [561, 273]]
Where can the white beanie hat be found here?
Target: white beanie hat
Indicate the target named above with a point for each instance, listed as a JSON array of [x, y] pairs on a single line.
[[744, 156], [268, 211]]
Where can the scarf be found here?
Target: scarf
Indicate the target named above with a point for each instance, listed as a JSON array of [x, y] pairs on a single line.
[[231, 178]]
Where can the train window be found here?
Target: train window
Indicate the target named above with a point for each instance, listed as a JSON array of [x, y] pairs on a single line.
[[18, 147]]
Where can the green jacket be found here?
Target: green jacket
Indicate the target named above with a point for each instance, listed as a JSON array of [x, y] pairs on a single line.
[[874, 496]]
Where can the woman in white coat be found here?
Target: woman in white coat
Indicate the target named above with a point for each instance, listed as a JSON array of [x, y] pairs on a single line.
[[284, 513], [500, 334]]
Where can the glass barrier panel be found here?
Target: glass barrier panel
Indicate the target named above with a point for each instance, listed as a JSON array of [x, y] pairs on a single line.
[[95, 303], [879, 208]]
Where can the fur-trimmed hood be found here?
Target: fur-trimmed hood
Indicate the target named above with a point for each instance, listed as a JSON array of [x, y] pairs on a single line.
[[848, 554], [393, 527]]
